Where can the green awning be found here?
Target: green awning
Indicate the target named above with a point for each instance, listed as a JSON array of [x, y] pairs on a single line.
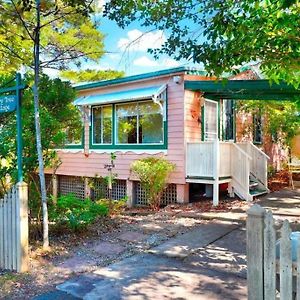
[[244, 90], [152, 92]]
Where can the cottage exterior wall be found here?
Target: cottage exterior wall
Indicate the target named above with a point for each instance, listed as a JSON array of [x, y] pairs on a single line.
[[90, 162]]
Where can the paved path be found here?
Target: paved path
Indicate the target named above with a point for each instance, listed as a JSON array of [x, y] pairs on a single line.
[[207, 262]]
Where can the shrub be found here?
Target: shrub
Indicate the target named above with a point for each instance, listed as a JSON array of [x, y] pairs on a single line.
[[153, 172], [77, 214], [116, 206]]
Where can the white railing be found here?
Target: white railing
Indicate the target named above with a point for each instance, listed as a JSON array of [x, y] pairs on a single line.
[[272, 266], [259, 162], [200, 159], [14, 229], [225, 159], [240, 170]]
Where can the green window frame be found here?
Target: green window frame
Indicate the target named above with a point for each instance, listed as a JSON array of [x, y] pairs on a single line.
[[105, 138], [132, 146]]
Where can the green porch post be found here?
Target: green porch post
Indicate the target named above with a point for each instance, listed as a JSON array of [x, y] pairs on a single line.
[[19, 128]]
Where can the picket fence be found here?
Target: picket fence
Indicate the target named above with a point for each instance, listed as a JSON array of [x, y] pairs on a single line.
[[273, 270], [14, 229]]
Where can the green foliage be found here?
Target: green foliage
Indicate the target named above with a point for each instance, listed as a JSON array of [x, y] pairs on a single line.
[[90, 75], [68, 34], [77, 214], [115, 206], [56, 113], [222, 34], [153, 172], [282, 118]]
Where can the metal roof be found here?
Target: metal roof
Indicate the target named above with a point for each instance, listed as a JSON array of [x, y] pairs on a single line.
[[244, 89]]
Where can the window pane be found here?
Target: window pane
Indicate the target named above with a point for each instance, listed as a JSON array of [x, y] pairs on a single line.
[[150, 123], [107, 124], [127, 123], [102, 124], [97, 125]]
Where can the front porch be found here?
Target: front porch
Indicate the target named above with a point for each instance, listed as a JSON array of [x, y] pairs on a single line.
[[242, 165]]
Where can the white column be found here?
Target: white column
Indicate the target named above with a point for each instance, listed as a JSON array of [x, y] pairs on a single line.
[[216, 172]]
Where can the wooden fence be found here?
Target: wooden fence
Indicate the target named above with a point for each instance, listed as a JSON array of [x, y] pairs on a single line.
[[14, 229], [273, 258]]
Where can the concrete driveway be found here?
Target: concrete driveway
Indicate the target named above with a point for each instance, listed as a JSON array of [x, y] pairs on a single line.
[[208, 262]]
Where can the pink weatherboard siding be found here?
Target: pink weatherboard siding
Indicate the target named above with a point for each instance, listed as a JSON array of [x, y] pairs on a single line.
[[91, 162]]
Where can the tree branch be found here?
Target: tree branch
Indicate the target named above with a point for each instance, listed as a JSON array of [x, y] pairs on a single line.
[[22, 20]]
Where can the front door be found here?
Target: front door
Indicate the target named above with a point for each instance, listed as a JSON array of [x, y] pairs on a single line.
[[210, 120]]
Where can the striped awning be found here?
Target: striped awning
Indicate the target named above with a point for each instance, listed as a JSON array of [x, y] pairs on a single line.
[[153, 92]]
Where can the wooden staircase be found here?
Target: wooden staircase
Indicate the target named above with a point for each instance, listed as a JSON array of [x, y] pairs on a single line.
[[242, 165]]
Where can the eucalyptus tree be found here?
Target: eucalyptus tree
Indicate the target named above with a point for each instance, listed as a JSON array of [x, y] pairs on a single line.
[[47, 34]]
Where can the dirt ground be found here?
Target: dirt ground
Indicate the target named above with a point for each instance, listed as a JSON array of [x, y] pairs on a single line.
[[111, 240]]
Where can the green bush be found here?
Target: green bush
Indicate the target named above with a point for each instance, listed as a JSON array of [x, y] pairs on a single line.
[[116, 206], [77, 214], [153, 172]]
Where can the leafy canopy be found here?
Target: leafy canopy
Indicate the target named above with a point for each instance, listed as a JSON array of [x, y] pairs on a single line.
[[222, 34], [68, 34], [90, 75]]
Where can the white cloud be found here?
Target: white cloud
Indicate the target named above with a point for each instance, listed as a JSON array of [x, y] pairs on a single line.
[[137, 40], [144, 61], [170, 63]]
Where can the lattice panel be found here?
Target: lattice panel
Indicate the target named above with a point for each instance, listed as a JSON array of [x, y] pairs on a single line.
[[100, 189], [71, 185], [169, 195]]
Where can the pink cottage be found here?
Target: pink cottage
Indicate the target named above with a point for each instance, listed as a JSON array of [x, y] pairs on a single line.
[[179, 114]]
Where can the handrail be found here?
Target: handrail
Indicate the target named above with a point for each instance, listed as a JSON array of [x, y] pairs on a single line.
[[260, 151], [242, 151]]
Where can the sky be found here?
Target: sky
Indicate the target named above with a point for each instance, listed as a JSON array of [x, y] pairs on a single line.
[[123, 54]]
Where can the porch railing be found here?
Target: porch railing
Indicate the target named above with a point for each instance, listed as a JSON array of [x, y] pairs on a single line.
[[259, 162]]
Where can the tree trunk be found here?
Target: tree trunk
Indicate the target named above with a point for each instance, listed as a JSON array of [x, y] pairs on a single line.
[[38, 126]]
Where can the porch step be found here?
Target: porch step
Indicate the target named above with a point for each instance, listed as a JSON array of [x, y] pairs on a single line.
[[258, 192], [253, 185]]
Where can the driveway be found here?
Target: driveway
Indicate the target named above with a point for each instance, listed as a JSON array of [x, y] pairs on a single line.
[[207, 262]]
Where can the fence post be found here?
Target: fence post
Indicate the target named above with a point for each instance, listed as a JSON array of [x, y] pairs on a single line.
[[22, 227], [255, 252]]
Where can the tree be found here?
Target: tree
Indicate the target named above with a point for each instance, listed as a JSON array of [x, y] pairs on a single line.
[[90, 75], [57, 113], [56, 31], [222, 34]]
